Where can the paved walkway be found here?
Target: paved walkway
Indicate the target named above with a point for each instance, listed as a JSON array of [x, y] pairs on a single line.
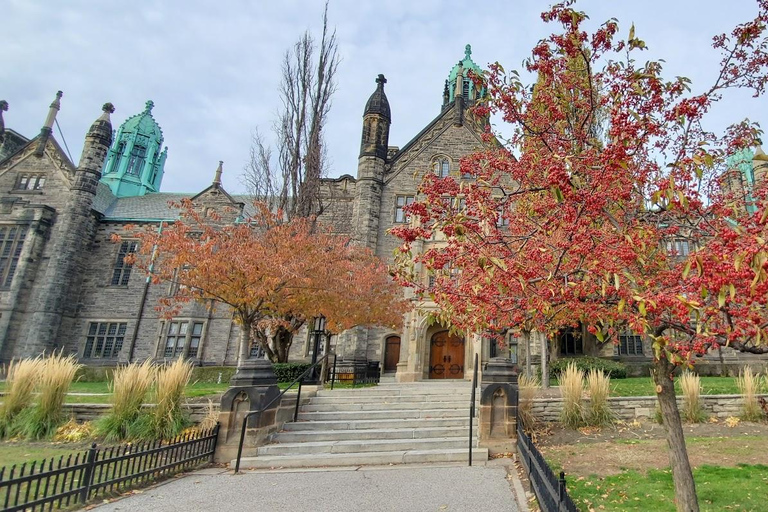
[[397, 488]]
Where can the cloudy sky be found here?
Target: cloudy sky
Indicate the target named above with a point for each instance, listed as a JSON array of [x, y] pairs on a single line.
[[212, 68]]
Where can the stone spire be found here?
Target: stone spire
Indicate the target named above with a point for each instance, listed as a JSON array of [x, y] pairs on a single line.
[[95, 148], [376, 120], [217, 177], [3, 108], [47, 129]]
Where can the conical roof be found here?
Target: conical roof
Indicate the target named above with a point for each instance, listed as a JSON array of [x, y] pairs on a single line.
[[378, 103], [465, 64], [143, 123]]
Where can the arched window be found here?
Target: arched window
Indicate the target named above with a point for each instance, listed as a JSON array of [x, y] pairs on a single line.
[[442, 167]]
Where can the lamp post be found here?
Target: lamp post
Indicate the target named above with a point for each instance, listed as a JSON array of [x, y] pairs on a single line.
[[318, 336]]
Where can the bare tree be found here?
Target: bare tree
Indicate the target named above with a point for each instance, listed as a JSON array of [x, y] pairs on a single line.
[[292, 182]]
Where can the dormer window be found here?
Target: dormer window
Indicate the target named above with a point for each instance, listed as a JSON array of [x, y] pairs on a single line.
[[136, 161], [30, 182]]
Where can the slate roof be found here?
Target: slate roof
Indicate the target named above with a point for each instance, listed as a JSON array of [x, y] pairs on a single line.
[[149, 207]]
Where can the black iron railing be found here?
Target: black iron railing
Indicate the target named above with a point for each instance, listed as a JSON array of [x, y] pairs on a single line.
[[472, 407], [550, 490], [100, 472], [356, 372], [311, 371]]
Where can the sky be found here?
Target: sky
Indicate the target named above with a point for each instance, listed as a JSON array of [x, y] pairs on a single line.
[[213, 68]]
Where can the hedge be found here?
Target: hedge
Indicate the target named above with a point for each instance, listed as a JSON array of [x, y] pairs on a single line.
[[614, 369], [288, 372]]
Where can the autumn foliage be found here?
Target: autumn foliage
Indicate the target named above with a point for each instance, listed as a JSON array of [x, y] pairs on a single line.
[[587, 214], [273, 274]]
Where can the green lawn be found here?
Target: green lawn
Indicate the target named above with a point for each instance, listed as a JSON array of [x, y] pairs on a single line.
[[643, 386], [738, 488], [18, 452]]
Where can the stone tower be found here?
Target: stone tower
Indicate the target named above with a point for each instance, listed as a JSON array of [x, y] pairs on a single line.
[[370, 167], [134, 165], [72, 233]]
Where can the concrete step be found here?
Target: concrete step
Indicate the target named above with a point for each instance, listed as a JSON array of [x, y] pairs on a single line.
[[389, 399], [397, 391], [458, 455], [360, 424], [384, 406], [364, 446], [383, 415], [301, 436]]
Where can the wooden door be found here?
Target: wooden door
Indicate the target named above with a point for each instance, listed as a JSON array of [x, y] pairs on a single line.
[[391, 353], [446, 356]]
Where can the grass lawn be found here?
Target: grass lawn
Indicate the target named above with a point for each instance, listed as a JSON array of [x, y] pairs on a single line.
[[744, 487], [18, 452], [643, 386]]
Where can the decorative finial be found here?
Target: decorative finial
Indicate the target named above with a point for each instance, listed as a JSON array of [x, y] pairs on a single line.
[[3, 108], [467, 51], [381, 81], [47, 129], [149, 105], [108, 108], [217, 178]]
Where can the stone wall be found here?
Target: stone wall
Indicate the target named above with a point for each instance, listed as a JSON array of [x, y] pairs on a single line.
[[637, 407]]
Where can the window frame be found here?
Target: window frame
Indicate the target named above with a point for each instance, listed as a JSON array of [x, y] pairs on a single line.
[[441, 166], [400, 216], [12, 238], [97, 339], [24, 180], [121, 271], [182, 335], [626, 340]]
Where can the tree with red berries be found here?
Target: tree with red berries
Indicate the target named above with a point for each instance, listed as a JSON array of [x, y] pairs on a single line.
[[582, 217]]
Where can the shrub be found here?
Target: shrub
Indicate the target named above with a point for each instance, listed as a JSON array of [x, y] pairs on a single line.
[[211, 417], [527, 388], [749, 387], [690, 383], [166, 419], [21, 381], [613, 369], [288, 372], [571, 387], [129, 389], [598, 412], [42, 420]]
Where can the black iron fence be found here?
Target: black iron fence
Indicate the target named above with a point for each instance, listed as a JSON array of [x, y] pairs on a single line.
[[356, 372], [550, 490], [98, 472]]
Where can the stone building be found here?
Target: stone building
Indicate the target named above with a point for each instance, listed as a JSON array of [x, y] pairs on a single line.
[[64, 284]]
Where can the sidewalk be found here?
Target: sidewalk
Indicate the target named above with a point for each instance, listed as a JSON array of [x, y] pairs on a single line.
[[385, 488]]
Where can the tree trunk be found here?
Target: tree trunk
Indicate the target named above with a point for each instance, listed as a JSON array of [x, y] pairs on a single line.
[[527, 338], [283, 341], [244, 345], [685, 487], [326, 361], [544, 365]]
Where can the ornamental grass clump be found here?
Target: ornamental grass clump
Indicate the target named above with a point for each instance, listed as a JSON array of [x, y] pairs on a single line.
[[56, 375], [571, 388], [749, 387], [690, 383], [20, 385], [598, 413], [527, 388], [166, 419], [130, 386]]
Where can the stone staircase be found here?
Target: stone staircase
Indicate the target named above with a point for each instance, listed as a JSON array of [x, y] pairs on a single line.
[[425, 422]]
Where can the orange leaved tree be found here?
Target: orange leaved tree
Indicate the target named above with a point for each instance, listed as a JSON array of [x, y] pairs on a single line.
[[274, 274]]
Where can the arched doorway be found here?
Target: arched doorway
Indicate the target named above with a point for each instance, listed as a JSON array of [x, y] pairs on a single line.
[[446, 356], [391, 353]]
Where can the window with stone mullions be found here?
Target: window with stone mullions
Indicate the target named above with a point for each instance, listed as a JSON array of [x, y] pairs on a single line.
[[11, 243], [121, 273], [30, 182], [401, 203], [104, 340], [442, 168], [138, 155], [180, 336], [630, 344]]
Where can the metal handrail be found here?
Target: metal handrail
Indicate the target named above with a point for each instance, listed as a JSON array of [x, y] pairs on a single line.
[[472, 407], [299, 380]]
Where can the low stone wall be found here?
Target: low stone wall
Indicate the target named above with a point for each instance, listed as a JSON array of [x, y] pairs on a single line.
[[90, 412], [635, 407]]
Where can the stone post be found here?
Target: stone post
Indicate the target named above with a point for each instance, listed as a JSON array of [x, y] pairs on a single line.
[[498, 406], [252, 387]]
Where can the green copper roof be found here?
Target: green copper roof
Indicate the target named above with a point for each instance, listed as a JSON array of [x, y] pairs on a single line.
[[466, 63], [136, 160]]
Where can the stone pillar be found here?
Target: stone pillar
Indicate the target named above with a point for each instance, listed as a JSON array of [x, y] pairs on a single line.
[[252, 387], [498, 406]]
